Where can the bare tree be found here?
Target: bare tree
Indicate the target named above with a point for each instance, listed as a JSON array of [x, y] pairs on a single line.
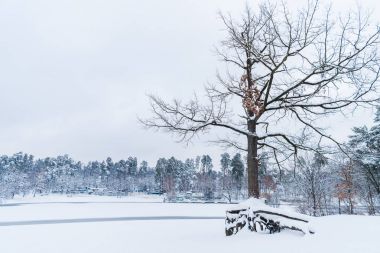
[[283, 67], [312, 181]]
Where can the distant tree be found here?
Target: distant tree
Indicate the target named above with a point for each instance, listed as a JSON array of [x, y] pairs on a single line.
[[171, 175], [197, 163], [225, 162], [186, 173], [365, 150], [143, 168], [345, 188], [109, 164], [166, 175], [206, 164], [205, 177], [132, 166], [267, 183], [104, 173], [365, 144], [312, 181], [263, 164], [161, 173], [237, 171]]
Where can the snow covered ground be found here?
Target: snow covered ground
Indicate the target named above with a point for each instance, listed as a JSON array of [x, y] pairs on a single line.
[[180, 234]]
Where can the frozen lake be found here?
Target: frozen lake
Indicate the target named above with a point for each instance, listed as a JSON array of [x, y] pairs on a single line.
[[144, 224]]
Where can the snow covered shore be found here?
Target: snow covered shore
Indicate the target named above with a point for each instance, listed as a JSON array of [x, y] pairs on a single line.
[[349, 234]]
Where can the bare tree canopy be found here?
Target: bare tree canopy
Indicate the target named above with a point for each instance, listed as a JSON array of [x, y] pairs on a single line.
[[283, 67]]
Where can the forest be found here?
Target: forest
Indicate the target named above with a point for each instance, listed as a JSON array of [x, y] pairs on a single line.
[[318, 184]]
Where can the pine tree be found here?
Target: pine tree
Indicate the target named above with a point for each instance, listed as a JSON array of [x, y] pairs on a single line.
[[225, 162], [132, 166], [186, 175], [365, 146], [160, 174], [237, 170], [143, 168], [227, 181], [206, 164]]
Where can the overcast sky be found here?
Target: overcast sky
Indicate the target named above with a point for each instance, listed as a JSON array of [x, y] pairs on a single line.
[[74, 74]]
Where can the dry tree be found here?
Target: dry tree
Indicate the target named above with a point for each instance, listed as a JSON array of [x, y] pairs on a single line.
[[283, 67]]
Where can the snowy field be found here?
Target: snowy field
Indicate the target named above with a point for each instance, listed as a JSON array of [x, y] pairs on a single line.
[[145, 224]]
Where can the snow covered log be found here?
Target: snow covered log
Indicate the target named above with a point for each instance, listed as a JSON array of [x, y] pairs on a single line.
[[264, 219], [235, 220]]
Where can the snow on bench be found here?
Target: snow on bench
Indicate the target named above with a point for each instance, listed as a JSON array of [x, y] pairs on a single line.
[[263, 218]]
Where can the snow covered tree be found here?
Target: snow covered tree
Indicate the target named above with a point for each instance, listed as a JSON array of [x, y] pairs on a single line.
[[206, 176], [225, 163], [345, 185], [226, 180], [283, 67], [237, 172], [160, 173], [186, 173], [166, 175], [313, 181], [143, 168], [132, 166], [171, 175], [206, 164], [366, 148]]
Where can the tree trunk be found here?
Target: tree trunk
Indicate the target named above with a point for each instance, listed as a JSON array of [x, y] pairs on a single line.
[[340, 212], [371, 206], [313, 196], [252, 162], [351, 205]]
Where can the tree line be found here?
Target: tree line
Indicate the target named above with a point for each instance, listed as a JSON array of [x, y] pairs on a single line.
[[22, 174], [345, 180]]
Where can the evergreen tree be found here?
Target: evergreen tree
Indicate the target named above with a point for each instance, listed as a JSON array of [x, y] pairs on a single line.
[[143, 168], [225, 163], [226, 180], [366, 148], [132, 166], [186, 173], [206, 164], [237, 170]]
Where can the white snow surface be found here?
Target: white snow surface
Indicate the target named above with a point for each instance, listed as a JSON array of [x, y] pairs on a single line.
[[349, 234]]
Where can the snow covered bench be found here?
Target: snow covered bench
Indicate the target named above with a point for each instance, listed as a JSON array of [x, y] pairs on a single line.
[[263, 218]]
